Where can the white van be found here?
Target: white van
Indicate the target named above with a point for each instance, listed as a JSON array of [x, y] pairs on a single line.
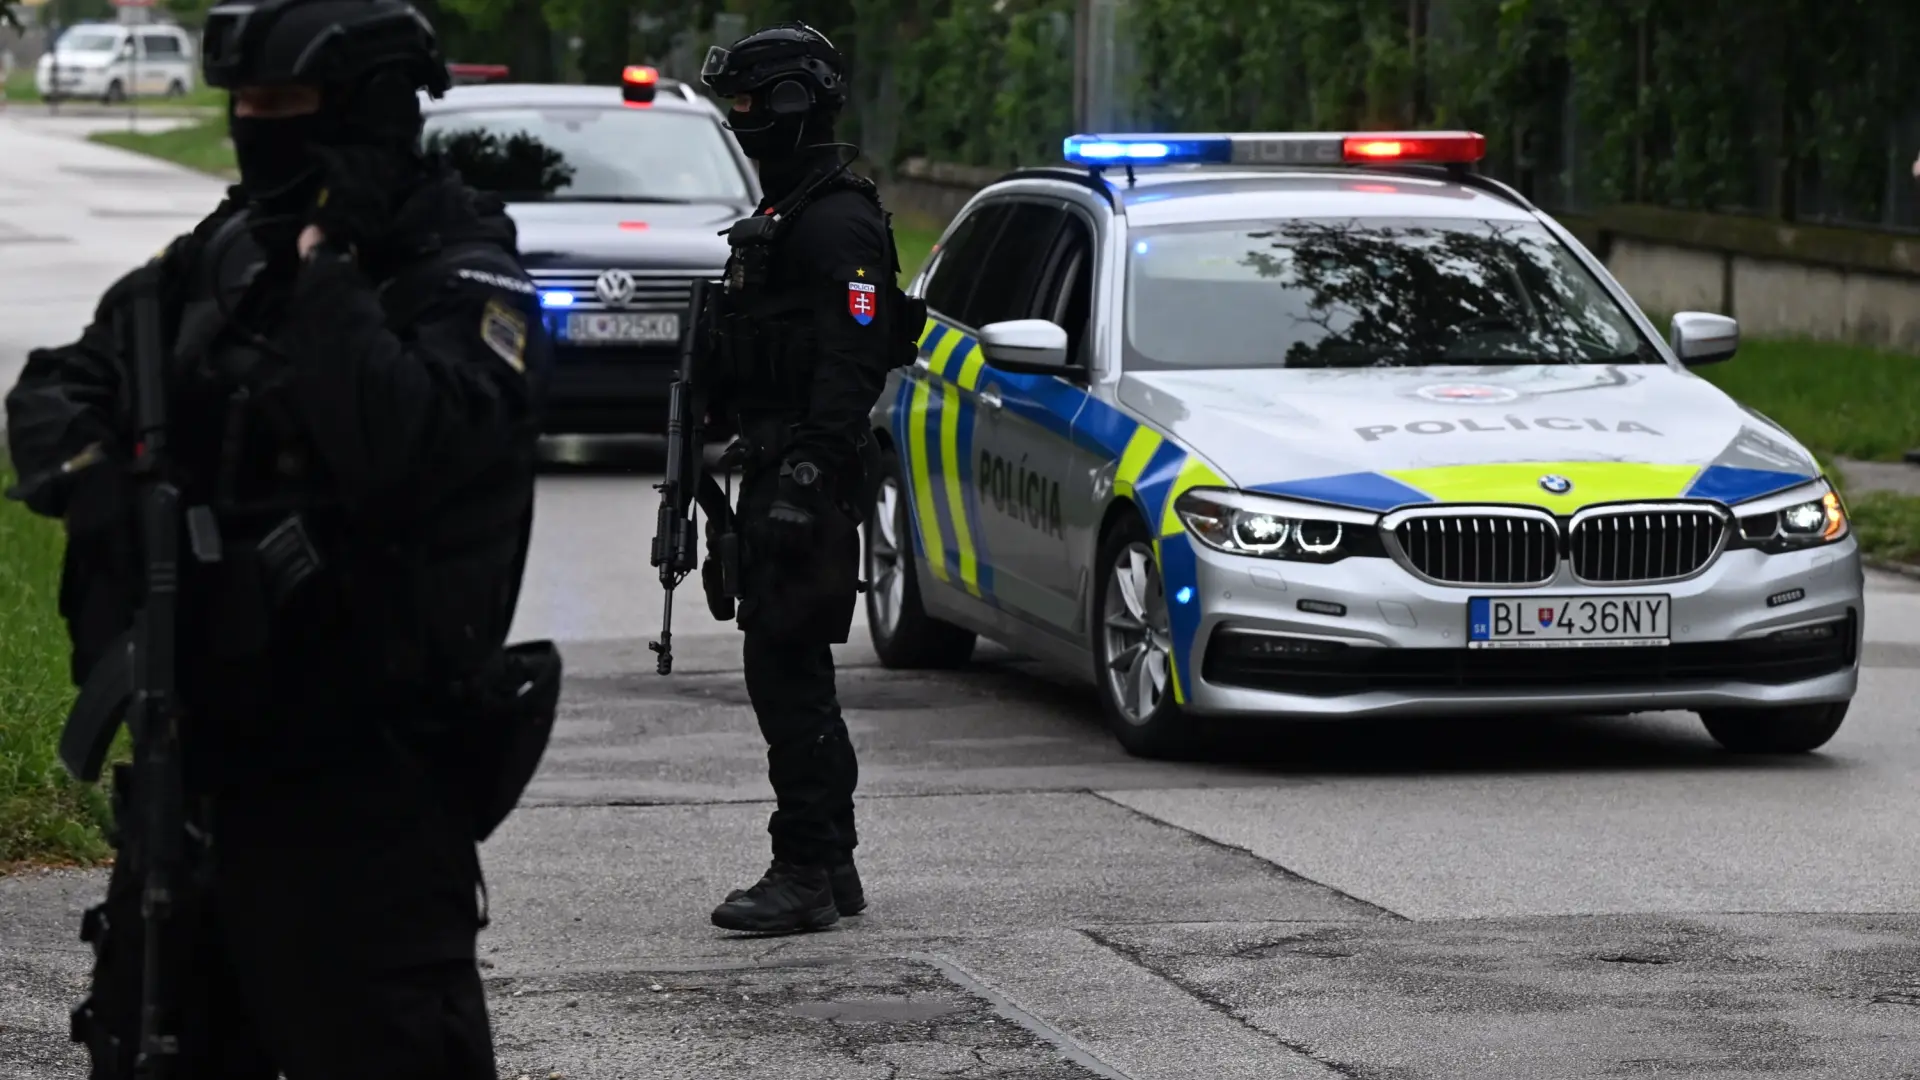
[[113, 62]]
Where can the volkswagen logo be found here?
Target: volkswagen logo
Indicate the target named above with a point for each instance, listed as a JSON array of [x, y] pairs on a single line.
[[1555, 485], [615, 288]]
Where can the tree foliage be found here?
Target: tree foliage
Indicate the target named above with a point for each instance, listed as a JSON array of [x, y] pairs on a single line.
[[1793, 107]]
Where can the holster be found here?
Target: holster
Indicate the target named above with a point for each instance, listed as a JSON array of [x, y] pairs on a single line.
[[513, 702]]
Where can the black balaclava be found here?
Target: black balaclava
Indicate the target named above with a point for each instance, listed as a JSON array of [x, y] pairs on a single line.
[[278, 169], [785, 144]]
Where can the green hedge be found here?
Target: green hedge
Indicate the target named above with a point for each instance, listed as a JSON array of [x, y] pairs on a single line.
[[1780, 107]]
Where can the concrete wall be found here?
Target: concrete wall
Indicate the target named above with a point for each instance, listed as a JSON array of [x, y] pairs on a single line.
[[1779, 280]]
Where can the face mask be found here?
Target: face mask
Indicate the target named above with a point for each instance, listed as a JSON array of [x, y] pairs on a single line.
[[764, 137], [276, 166]]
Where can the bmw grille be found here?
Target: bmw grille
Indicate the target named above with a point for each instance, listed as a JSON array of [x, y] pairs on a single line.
[[1605, 546]]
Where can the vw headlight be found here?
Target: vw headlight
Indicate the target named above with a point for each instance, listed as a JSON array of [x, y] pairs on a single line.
[[1804, 518], [1242, 524]]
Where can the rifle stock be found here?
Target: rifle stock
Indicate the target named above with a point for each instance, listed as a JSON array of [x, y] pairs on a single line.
[[153, 715], [675, 538]]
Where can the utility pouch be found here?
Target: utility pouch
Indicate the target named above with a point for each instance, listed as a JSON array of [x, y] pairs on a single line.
[[514, 703], [287, 560]]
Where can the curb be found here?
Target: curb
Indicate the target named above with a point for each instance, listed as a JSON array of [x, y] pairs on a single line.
[[1906, 570]]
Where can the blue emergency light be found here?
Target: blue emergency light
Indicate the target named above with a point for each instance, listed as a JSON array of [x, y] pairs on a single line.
[[1279, 148], [553, 298]]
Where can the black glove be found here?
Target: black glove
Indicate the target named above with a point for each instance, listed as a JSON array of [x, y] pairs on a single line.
[[362, 190], [791, 518]]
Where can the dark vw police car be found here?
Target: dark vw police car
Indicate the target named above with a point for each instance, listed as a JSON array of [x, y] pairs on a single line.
[[620, 195]]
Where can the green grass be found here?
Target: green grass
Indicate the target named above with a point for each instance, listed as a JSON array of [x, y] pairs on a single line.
[[1887, 525], [20, 88], [45, 815], [203, 146], [914, 237], [1841, 401], [1838, 399]]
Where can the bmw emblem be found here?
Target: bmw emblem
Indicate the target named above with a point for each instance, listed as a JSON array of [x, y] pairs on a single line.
[[1555, 485]]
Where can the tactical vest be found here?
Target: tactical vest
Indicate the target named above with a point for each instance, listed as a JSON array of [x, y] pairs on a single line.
[[764, 348], [282, 548]]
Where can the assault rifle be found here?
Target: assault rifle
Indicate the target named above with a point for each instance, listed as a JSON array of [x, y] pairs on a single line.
[[676, 538]]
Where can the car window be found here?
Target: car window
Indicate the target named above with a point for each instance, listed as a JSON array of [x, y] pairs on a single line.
[[1367, 293], [1066, 295], [590, 154], [160, 46], [957, 266], [1012, 272], [89, 41]]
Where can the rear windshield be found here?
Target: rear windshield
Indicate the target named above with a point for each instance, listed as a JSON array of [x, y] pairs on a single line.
[[1367, 293], [590, 154]]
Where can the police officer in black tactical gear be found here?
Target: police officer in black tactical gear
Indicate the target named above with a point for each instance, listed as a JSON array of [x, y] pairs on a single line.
[[356, 360], [808, 324]]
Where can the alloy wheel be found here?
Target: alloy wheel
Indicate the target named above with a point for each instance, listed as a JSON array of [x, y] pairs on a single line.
[[886, 573], [1139, 640]]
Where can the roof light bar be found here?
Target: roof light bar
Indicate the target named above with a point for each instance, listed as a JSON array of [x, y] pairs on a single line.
[[638, 84], [1278, 148]]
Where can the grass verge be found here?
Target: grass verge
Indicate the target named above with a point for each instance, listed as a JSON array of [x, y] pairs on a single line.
[[914, 237], [45, 815], [203, 145], [20, 88], [1841, 401], [1838, 399]]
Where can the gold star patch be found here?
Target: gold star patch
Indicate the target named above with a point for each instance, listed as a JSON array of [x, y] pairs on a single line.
[[859, 272]]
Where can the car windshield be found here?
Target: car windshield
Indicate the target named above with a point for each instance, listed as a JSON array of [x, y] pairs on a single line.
[[89, 41], [590, 154], [1339, 293]]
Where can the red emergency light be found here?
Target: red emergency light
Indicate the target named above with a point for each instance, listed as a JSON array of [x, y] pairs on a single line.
[[465, 74], [638, 84], [1422, 148]]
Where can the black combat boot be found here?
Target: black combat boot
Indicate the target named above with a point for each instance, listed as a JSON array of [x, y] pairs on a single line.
[[849, 896], [789, 898]]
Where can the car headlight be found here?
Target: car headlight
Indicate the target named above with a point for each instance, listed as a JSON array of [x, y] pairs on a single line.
[[1239, 523], [1808, 517]]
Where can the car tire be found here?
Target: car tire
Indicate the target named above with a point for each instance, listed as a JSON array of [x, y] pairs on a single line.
[[903, 634], [1132, 647], [176, 89], [115, 93], [1794, 729]]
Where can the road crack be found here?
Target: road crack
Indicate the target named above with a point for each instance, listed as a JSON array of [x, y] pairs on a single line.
[[1138, 958]]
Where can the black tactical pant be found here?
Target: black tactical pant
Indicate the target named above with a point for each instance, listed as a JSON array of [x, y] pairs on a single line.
[[331, 936], [798, 604], [810, 759]]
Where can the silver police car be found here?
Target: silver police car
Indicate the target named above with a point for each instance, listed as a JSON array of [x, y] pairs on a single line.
[[1331, 425]]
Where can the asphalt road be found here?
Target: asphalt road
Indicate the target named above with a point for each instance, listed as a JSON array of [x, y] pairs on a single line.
[[1528, 899]]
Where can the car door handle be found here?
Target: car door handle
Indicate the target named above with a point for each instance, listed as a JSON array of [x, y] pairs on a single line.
[[991, 399]]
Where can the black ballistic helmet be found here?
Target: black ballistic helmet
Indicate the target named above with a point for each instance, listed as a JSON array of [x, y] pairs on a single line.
[[790, 54], [329, 43]]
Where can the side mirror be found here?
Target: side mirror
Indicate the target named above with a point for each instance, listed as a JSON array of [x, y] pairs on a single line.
[[1700, 338], [1026, 347]]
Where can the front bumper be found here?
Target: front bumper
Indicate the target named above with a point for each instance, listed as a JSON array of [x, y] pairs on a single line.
[[73, 82], [1400, 648]]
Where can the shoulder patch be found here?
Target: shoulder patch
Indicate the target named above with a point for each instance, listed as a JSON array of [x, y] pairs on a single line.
[[498, 281], [505, 332], [862, 300]]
